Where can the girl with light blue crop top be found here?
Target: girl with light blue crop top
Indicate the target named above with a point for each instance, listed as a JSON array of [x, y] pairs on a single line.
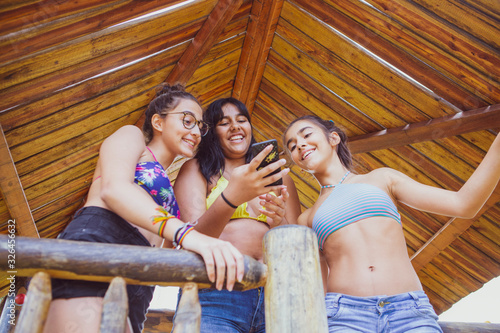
[[371, 285]]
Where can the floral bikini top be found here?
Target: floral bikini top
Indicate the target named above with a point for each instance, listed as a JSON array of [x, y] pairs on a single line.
[[153, 179]]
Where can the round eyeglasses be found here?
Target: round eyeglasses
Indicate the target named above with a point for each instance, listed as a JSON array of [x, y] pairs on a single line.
[[189, 121]]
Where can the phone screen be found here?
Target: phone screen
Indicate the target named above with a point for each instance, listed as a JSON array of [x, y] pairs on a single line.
[[272, 157]]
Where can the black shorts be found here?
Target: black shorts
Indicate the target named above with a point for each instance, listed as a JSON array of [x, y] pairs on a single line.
[[96, 224]]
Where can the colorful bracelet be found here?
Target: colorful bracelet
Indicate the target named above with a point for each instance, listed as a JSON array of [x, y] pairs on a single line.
[[227, 201], [162, 219], [184, 234], [181, 233]]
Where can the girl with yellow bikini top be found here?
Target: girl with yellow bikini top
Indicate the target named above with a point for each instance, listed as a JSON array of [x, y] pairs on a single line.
[[222, 185]]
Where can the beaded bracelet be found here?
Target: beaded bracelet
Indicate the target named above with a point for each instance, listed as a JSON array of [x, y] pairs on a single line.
[[181, 233], [162, 219]]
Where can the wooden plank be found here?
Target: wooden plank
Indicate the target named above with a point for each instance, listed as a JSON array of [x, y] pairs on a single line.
[[37, 19], [467, 18], [78, 260], [115, 307], [463, 73], [458, 327], [357, 107], [103, 42], [447, 234], [364, 92], [6, 5], [59, 80], [367, 63], [13, 193], [446, 36], [367, 36], [260, 32], [188, 314], [204, 40], [219, 64], [462, 122], [36, 306]]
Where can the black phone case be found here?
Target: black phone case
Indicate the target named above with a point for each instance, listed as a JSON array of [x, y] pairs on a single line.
[[273, 156]]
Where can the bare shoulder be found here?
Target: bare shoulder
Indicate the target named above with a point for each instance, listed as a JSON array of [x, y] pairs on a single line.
[[381, 177], [190, 167], [126, 134], [189, 177]]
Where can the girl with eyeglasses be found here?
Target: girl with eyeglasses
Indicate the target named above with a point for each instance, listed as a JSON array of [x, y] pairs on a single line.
[[131, 201]]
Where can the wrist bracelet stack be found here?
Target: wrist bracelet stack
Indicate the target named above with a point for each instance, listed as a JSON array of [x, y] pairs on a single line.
[[162, 219], [181, 233]]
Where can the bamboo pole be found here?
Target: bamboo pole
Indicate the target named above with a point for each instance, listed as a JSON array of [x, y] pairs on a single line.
[[102, 262], [115, 307], [188, 314], [294, 290], [36, 308]]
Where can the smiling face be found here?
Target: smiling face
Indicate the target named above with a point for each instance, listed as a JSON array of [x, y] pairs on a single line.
[[234, 132], [178, 139], [309, 146]]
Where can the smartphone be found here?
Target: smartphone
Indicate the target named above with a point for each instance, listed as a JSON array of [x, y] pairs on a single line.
[[272, 157]]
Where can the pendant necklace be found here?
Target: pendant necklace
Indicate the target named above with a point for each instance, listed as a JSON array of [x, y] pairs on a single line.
[[340, 182]]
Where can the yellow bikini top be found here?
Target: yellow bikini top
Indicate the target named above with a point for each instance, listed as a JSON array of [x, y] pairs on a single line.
[[241, 211]]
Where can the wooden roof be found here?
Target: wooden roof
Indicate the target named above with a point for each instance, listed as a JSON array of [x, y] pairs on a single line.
[[415, 84]]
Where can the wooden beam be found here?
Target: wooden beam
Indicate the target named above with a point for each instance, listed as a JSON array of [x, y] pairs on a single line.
[[201, 44], [263, 22], [77, 260], [448, 233], [13, 193], [220, 16], [463, 122]]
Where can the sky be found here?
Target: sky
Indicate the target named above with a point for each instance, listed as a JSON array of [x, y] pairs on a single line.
[[480, 307]]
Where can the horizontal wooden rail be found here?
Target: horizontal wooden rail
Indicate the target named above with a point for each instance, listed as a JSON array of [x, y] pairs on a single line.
[[141, 265]]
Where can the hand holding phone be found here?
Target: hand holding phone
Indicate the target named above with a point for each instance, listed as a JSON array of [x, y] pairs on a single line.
[[272, 157]]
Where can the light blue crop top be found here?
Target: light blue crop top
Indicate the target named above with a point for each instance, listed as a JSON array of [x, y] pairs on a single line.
[[348, 203]]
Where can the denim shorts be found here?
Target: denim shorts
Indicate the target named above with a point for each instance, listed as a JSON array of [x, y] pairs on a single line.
[[408, 312], [231, 311], [96, 224]]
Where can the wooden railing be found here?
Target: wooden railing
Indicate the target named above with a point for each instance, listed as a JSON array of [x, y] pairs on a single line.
[[290, 252]]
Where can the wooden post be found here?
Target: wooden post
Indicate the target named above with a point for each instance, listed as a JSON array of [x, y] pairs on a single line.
[[10, 313], [77, 260], [188, 315], [115, 307], [36, 307], [294, 296]]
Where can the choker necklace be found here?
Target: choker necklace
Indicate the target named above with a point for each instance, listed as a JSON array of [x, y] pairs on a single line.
[[340, 182]]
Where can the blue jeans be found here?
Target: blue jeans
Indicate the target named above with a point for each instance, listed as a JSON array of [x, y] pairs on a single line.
[[408, 312], [232, 311]]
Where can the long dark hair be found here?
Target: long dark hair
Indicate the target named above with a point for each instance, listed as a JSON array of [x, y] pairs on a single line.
[[328, 126], [210, 156], [167, 98]]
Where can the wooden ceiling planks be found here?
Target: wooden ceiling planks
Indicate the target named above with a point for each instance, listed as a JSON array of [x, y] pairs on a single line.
[[258, 39], [204, 40]]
